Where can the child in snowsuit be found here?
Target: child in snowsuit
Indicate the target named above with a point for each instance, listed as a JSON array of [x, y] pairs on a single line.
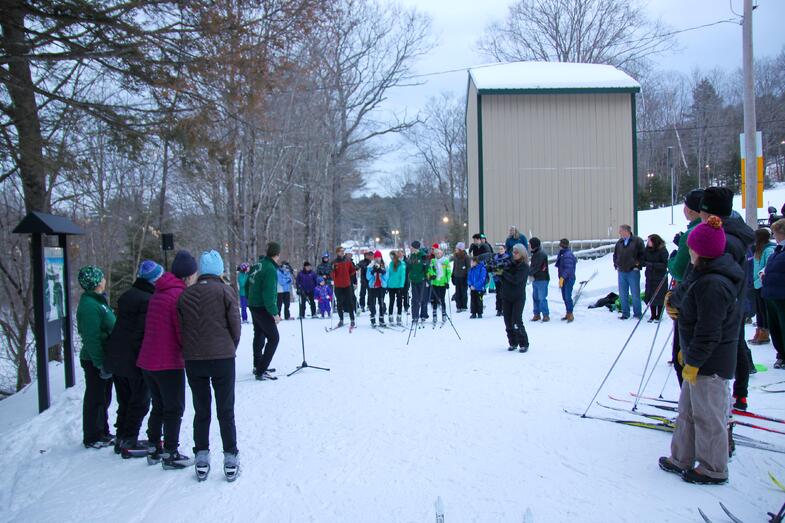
[[324, 295], [477, 277]]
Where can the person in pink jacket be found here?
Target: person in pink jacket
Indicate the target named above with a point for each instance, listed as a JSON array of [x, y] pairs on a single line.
[[162, 364]]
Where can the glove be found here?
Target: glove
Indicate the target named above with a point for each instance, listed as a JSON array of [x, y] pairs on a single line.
[[680, 358], [561, 282], [673, 312], [690, 374]]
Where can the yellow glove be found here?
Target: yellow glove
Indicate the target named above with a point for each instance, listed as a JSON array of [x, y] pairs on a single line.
[[680, 358], [561, 282], [690, 373], [673, 312]]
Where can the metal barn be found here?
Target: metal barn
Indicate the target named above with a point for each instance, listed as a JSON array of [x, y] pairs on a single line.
[[551, 149]]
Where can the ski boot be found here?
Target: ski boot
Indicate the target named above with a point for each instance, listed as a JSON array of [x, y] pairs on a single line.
[[154, 452], [131, 448], [202, 465], [174, 460], [231, 466], [398, 321]]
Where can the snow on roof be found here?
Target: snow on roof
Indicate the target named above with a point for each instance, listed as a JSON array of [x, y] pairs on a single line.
[[550, 75]]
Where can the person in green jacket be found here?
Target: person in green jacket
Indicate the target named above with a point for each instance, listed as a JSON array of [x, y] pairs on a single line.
[[263, 302], [418, 263], [441, 273], [94, 322], [242, 281]]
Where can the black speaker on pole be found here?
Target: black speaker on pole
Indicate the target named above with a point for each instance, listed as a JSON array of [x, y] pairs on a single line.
[[167, 244]]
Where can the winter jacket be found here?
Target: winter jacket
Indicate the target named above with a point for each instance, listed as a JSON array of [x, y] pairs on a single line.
[[418, 264], [656, 263], [481, 249], [396, 278], [376, 274], [460, 266], [759, 265], [122, 350], [323, 292], [284, 279], [94, 322], [306, 281], [441, 271], [514, 280], [710, 317], [324, 269], [499, 261], [263, 285], [511, 241], [739, 237], [362, 267], [477, 276], [242, 280], [538, 268], [628, 257], [209, 320], [565, 264], [342, 273], [162, 347], [678, 264], [774, 275]]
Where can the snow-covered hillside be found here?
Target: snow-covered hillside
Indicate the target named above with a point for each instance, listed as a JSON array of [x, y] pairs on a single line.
[[392, 427]]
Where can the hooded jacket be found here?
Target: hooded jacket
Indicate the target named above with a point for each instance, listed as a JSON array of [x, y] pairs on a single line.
[[94, 321], [774, 275], [566, 262], [284, 279], [263, 285], [710, 317], [396, 278], [376, 275], [343, 270], [124, 344], [477, 276], [306, 281], [209, 320], [441, 270], [539, 265], [460, 266], [162, 347]]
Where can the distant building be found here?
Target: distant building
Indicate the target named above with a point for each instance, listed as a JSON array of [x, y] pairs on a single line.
[[551, 149]]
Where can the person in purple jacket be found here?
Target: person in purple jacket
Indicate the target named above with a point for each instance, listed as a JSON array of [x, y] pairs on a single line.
[[306, 284], [565, 264], [162, 363]]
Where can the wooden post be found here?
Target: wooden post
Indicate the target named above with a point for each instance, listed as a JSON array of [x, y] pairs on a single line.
[[68, 343], [41, 345]]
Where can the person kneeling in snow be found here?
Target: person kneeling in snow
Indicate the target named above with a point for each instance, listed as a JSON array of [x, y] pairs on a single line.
[[709, 318]]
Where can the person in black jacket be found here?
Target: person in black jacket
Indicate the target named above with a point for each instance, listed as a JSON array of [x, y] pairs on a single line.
[[627, 261], [655, 260], [538, 272], [709, 315], [362, 267], [133, 396], [514, 277]]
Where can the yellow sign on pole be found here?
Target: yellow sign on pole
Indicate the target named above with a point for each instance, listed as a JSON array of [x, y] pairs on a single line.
[[758, 164]]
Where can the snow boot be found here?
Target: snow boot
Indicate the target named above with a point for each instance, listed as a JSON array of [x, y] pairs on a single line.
[[570, 317], [231, 466], [668, 466], [174, 460], [398, 320], [390, 319], [473, 316], [779, 364], [154, 452], [381, 321], [524, 348], [340, 324], [95, 444], [740, 403], [546, 318], [132, 449], [536, 317], [266, 376], [202, 464], [693, 476], [352, 325], [373, 322], [511, 348], [755, 337]]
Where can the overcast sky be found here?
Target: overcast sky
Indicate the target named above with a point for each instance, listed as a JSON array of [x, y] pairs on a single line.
[[457, 24]]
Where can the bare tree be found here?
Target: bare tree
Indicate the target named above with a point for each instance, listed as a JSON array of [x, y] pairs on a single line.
[[615, 32]]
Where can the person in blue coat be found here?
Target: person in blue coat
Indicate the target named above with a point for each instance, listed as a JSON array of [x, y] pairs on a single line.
[[285, 288], [514, 237], [306, 284], [565, 265], [478, 277]]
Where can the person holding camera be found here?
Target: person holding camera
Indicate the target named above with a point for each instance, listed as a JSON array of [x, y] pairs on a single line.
[[514, 276], [377, 285]]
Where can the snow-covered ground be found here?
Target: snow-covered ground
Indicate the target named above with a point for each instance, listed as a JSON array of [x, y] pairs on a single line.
[[392, 427]]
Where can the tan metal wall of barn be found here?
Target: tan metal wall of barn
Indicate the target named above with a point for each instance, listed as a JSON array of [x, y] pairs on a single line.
[[558, 165], [471, 160]]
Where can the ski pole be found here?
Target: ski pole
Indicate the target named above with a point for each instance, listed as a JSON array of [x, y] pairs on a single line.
[[651, 349], [668, 377], [653, 367]]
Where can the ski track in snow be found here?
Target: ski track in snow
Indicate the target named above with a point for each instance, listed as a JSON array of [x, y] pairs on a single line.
[[390, 428]]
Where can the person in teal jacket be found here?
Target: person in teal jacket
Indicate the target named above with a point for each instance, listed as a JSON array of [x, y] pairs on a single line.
[[263, 302], [94, 322], [396, 280], [377, 283], [242, 282], [763, 249]]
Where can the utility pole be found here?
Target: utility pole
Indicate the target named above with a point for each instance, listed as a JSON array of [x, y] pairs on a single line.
[[751, 160], [673, 181]]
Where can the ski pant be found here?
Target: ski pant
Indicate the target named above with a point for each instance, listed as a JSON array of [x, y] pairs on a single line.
[[499, 295], [265, 338], [421, 291], [97, 397], [220, 374], [325, 307], [284, 298], [776, 317], [513, 322], [438, 295], [675, 356], [167, 389], [566, 293], [396, 299], [630, 283], [133, 402], [476, 305], [244, 308], [376, 298], [306, 297], [702, 427], [406, 287], [363, 292], [761, 314], [540, 297], [461, 291], [345, 298], [743, 366]]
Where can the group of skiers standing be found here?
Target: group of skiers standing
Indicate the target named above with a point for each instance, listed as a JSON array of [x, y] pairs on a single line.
[[170, 326]]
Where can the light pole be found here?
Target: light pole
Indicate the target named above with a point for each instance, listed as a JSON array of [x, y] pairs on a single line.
[[395, 233], [673, 180]]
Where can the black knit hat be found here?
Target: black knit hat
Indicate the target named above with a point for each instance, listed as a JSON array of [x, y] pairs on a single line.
[[184, 264], [416, 244], [534, 243], [717, 201], [273, 249], [693, 199]]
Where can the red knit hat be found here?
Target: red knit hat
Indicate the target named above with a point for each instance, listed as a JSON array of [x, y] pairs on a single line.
[[708, 239], [435, 245], [377, 254]]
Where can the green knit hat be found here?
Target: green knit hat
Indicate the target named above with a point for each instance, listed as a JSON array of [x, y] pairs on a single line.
[[90, 276]]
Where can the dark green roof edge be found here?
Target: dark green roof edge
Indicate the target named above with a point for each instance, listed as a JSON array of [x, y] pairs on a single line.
[[634, 165], [480, 188], [563, 90]]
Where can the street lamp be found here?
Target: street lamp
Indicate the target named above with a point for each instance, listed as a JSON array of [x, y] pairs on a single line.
[[395, 233], [445, 220]]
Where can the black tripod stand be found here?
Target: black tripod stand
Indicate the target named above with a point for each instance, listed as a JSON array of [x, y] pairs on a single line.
[[304, 365]]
